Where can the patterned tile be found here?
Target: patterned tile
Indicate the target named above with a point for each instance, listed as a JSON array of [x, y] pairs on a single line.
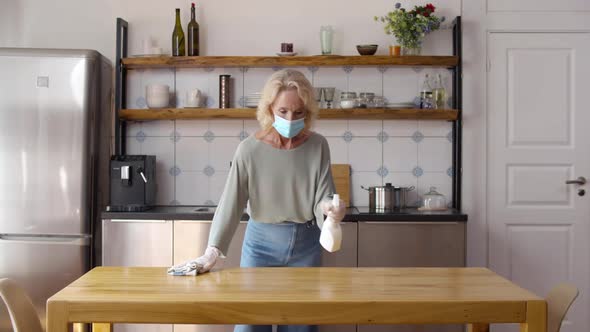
[[209, 136], [209, 171], [347, 136], [226, 128], [174, 171], [382, 137], [450, 171], [434, 154], [243, 135], [221, 152], [365, 154], [192, 188], [140, 136], [417, 171], [417, 137], [334, 128], [188, 128], [192, 153], [400, 154], [396, 128], [365, 128], [382, 171], [175, 136], [434, 128], [338, 150], [216, 186]]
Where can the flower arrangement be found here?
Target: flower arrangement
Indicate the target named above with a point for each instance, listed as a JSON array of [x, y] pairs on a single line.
[[409, 27]]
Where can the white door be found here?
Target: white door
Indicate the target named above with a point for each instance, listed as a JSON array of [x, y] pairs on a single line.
[[538, 138]]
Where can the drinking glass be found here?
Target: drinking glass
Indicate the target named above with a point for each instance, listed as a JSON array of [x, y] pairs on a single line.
[[328, 96], [318, 95], [326, 34]]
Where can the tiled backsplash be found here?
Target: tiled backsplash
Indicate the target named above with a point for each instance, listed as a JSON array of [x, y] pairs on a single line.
[[193, 155]]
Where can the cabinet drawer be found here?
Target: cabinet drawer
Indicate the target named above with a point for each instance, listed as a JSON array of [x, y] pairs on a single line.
[[137, 243], [411, 244], [190, 241], [345, 257]]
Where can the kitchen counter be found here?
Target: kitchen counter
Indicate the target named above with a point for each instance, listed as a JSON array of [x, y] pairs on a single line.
[[195, 212]]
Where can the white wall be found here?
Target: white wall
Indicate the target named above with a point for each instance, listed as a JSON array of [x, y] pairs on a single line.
[[228, 27]]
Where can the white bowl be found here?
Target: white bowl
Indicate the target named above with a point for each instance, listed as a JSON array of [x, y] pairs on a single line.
[[157, 100], [157, 88]]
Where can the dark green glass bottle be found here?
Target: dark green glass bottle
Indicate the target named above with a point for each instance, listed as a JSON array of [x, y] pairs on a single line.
[[193, 34], [178, 37]]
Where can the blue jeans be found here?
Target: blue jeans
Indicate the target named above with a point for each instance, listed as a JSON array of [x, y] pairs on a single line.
[[285, 244]]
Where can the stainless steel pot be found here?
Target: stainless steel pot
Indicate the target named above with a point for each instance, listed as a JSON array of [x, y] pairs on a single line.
[[387, 197], [400, 195]]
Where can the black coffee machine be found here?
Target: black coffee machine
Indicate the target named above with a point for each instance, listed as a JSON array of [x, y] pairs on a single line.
[[133, 183]]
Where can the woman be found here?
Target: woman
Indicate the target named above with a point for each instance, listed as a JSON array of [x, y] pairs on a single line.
[[283, 171]]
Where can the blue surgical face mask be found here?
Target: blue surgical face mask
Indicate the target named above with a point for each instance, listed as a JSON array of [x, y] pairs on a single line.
[[286, 128]]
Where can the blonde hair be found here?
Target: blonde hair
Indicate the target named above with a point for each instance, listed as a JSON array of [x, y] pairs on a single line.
[[284, 80]]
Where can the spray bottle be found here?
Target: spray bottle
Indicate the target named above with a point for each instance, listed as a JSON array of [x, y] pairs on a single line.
[[331, 236]]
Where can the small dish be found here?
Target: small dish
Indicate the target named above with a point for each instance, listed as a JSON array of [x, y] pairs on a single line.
[[286, 53], [366, 49]]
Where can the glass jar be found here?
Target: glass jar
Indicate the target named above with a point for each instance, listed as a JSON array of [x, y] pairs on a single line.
[[379, 102], [347, 99], [433, 200], [365, 100]]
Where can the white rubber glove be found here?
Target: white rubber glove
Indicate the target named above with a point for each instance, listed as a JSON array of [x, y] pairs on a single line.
[[198, 265], [336, 213]]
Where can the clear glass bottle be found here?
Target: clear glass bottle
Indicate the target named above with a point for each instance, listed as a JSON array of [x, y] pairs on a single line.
[[178, 37], [426, 93], [439, 93]]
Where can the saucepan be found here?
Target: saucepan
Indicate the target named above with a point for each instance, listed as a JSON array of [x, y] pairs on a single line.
[[387, 197]]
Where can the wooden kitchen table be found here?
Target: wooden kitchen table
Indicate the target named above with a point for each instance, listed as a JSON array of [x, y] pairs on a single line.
[[475, 296]]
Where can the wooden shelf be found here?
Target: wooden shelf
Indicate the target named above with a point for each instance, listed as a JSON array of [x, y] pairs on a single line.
[[291, 61], [250, 113]]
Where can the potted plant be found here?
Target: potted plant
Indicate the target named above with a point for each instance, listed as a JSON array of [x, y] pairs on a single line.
[[409, 27]]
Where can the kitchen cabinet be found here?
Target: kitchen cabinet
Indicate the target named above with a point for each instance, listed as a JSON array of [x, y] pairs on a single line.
[[411, 244], [190, 241], [128, 242]]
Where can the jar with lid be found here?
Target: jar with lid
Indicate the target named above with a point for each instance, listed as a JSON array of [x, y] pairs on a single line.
[[378, 102], [434, 200], [365, 99], [348, 99]]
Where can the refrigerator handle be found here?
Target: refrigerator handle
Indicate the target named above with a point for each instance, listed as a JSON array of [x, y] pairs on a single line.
[[46, 239]]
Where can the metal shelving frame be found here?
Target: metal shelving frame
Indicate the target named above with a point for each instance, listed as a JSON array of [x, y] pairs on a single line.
[[120, 101]]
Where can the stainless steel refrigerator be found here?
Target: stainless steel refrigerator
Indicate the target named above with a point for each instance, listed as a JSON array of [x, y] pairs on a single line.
[[54, 138]]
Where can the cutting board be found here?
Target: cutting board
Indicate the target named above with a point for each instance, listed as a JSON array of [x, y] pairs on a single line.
[[341, 176]]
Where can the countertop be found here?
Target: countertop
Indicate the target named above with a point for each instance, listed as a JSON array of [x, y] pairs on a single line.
[[196, 212]]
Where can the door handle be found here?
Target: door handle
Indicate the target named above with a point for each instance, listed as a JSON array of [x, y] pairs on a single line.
[[580, 181]]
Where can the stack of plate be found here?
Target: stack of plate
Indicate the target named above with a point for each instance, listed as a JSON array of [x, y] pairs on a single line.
[[400, 105], [252, 99]]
